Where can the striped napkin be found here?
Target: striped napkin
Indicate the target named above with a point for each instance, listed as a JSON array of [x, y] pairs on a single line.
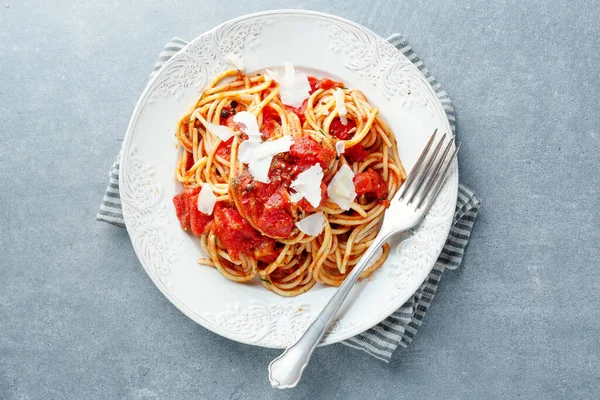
[[400, 328]]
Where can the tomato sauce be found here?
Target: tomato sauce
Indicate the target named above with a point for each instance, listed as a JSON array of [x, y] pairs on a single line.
[[307, 152], [262, 212], [270, 128], [239, 236], [224, 149], [356, 153], [186, 209], [370, 183], [267, 206], [325, 83], [189, 162], [233, 230], [341, 131], [274, 220]]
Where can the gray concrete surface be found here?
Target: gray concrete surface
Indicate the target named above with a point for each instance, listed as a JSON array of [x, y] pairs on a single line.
[[79, 319]]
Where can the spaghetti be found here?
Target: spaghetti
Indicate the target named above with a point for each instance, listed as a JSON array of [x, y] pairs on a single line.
[[253, 230]]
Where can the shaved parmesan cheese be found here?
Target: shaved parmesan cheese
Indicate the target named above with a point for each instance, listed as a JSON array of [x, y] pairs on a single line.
[[344, 191], [273, 75], [206, 200], [259, 168], [341, 188], [250, 150], [246, 150], [340, 147], [340, 106], [289, 70], [296, 197], [312, 225], [222, 132], [235, 60], [308, 185], [274, 147], [259, 155], [294, 87], [248, 124]]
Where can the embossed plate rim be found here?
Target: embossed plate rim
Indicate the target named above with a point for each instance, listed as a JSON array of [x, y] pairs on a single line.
[[352, 330]]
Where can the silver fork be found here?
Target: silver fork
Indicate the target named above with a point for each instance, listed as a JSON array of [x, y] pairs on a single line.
[[408, 207]]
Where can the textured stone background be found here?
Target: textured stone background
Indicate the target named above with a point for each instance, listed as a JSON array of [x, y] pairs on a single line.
[[80, 319]]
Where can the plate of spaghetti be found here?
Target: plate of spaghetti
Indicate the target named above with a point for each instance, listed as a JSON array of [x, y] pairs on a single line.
[[258, 165]]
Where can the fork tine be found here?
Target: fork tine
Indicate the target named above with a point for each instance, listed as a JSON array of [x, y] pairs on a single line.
[[417, 166], [441, 178], [430, 180], [425, 171]]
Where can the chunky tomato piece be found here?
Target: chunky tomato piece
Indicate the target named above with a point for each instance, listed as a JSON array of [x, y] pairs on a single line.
[[314, 84], [270, 114], [281, 172], [327, 83], [274, 221], [356, 153], [277, 201], [265, 205], [370, 182], [306, 151], [341, 131], [235, 232], [186, 208], [182, 207], [198, 220], [224, 149], [324, 84], [265, 251]]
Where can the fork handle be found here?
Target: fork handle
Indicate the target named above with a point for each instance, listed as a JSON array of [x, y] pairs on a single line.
[[286, 370]]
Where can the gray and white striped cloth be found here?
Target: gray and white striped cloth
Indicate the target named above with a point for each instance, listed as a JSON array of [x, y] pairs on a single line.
[[399, 328]]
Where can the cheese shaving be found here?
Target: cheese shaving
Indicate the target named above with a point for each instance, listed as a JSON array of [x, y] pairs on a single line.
[[340, 147], [222, 132], [308, 185], [294, 87], [273, 75], [312, 225], [274, 147], [341, 188], [246, 150], [340, 105], [248, 124], [206, 200], [259, 168], [259, 155]]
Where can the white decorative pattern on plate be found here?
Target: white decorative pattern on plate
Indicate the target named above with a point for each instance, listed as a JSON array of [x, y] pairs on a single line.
[[204, 57], [261, 322], [249, 313], [269, 325], [146, 210], [377, 62]]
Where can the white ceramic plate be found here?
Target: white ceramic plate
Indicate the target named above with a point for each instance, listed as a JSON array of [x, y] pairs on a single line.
[[323, 45]]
